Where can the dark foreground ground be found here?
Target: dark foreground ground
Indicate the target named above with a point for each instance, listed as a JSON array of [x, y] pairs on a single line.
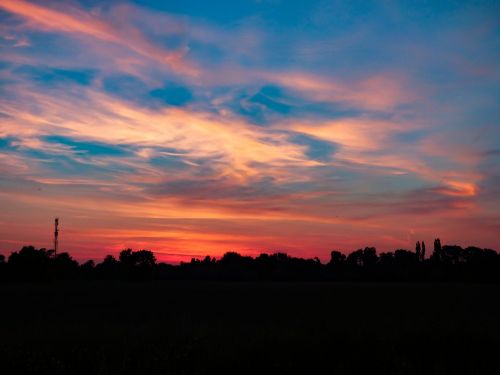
[[240, 328]]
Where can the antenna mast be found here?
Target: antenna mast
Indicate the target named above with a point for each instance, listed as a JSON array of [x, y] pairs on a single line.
[[56, 234]]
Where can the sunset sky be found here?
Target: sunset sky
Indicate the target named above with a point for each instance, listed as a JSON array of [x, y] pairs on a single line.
[[195, 127]]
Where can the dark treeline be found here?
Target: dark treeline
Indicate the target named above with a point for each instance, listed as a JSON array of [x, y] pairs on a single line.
[[445, 263]]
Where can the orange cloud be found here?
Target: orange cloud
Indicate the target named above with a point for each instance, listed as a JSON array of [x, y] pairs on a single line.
[[366, 142], [379, 92], [459, 188], [76, 21], [373, 144], [362, 134], [236, 148]]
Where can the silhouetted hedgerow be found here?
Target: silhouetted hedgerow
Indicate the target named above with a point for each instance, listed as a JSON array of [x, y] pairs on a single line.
[[446, 263]]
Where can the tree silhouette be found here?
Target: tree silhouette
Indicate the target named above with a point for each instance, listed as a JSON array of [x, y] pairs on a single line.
[[447, 263], [30, 263], [137, 264], [436, 255], [369, 257], [87, 269], [355, 259], [64, 265], [109, 268], [336, 258], [451, 254]]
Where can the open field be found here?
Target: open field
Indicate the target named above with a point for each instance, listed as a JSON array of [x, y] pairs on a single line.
[[208, 327]]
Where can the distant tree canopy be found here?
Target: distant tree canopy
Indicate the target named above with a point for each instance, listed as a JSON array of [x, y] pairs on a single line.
[[447, 263]]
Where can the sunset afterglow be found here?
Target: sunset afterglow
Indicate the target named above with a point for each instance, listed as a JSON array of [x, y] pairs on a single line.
[[199, 127]]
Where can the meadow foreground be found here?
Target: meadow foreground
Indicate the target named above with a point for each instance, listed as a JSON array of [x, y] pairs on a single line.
[[198, 327]]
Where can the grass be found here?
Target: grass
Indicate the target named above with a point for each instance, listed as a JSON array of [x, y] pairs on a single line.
[[238, 328]]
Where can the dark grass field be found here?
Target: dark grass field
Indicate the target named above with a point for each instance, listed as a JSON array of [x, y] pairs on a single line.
[[249, 328]]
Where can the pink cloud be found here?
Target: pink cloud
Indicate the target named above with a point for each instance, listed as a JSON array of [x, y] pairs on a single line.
[[379, 92], [76, 21]]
